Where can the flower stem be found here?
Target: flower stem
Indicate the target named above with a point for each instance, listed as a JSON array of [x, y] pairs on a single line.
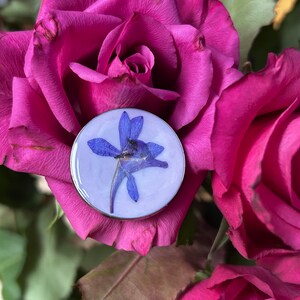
[[112, 198]]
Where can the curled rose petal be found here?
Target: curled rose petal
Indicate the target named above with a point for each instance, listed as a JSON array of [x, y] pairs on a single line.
[[160, 229], [13, 47], [242, 282], [255, 149]]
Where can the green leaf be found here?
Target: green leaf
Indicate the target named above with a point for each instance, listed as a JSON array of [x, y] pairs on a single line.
[[53, 259], [248, 17], [58, 214], [12, 256], [162, 274]]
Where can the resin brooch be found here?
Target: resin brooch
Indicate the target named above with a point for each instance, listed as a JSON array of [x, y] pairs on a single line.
[[127, 163]]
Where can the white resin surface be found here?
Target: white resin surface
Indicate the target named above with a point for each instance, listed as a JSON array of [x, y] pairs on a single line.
[[93, 174]]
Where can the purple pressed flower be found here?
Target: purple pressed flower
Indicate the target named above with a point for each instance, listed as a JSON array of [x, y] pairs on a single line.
[[134, 155]]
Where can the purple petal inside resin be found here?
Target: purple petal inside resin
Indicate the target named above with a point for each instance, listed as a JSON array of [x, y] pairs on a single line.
[[134, 155]]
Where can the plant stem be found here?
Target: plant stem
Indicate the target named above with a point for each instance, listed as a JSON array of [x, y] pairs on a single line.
[[112, 198]]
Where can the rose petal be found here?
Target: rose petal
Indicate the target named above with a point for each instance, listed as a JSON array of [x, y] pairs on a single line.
[[198, 151], [289, 80], [86, 73], [251, 244], [280, 218], [200, 291], [280, 263], [117, 68], [62, 38], [247, 174], [192, 12], [38, 142], [271, 210], [237, 287], [194, 81], [294, 188], [225, 40], [74, 5], [225, 72], [259, 277], [143, 66], [242, 282], [234, 117], [279, 160], [163, 11], [140, 235], [253, 149], [243, 223], [143, 30], [147, 53], [13, 46], [96, 98]]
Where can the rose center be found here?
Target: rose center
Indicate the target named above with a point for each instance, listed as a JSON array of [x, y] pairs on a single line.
[[138, 64]]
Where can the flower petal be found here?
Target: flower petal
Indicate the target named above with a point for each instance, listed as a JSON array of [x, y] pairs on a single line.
[[281, 156], [231, 124], [163, 11], [260, 278], [13, 46], [86, 73], [280, 218], [155, 149], [200, 291], [278, 264], [139, 235], [136, 127], [124, 130], [49, 57], [225, 40], [132, 188], [74, 5], [134, 167], [102, 147], [195, 79], [198, 151], [39, 144], [143, 30], [192, 12], [254, 214], [120, 92]]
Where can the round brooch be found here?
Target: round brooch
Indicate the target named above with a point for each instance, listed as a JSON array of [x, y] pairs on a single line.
[[127, 163]]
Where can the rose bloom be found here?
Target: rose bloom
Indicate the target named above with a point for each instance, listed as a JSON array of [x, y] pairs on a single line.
[[83, 58], [243, 283], [257, 157], [283, 265]]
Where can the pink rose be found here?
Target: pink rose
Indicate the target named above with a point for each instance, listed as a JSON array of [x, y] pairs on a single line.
[[285, 266], [172, 58], [243, 282], [257, 156]]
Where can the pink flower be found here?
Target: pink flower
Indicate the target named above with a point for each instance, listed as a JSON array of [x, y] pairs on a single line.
[[256, 146], [243, 282], [172, 58], [285, 266]]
